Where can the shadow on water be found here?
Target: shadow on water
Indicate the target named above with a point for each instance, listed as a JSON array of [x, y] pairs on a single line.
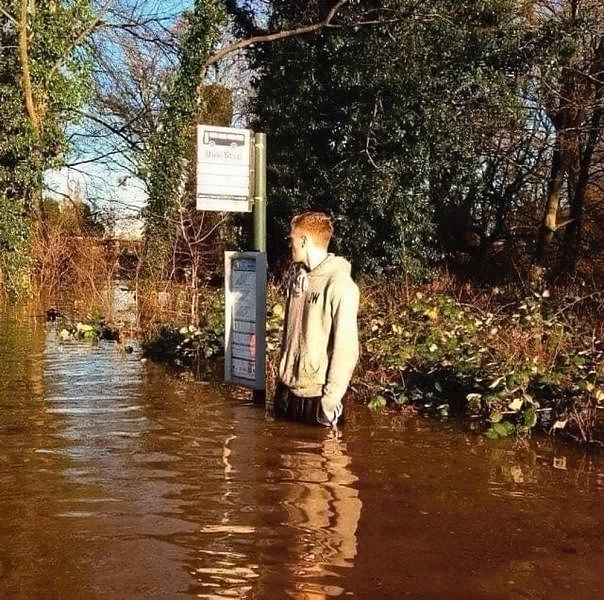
[[121, 480]]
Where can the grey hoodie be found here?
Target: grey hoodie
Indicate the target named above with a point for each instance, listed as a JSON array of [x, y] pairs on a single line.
[[320, 345]]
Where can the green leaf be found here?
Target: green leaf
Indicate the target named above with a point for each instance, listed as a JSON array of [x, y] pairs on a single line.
[[278, 310], [377, 402], [401, 399], [503, 429], [495, 417], [530, 417], [491, 434]]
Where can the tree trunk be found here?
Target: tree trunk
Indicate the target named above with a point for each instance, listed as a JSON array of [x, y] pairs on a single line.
[[26, 82], [574, 232], [552, 204]]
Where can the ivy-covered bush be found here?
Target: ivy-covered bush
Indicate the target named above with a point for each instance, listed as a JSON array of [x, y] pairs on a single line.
[[15, 252], [523, 365]]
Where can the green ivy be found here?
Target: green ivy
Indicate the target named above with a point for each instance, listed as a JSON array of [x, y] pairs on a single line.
[[16, 261], [451, 357]]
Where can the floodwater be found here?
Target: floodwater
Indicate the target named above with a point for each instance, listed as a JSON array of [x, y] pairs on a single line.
[[120, 480]]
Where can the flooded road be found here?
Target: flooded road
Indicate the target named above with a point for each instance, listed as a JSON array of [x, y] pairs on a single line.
[[120, 480]]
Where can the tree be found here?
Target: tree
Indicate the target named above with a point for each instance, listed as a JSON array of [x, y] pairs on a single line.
[[42, 54], [572, 97], [43, 77], [386, 119], [133, 51], [195, 95], [171, 157]]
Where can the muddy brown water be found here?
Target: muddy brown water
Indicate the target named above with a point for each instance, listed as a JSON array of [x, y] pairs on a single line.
[[121, 480]]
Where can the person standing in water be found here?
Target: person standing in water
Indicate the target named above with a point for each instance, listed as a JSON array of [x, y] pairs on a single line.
[[320, 346]]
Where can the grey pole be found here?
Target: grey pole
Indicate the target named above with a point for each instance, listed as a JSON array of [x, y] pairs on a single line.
[[259, 396], [260, 192]]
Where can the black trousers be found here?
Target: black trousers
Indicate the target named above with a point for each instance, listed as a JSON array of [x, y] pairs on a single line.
[[286, 405]]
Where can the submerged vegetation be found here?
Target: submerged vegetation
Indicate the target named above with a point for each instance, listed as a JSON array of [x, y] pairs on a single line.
[[199, 347], [512, 363]]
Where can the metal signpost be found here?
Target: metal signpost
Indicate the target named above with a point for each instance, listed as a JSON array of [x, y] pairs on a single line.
[[231, 176]]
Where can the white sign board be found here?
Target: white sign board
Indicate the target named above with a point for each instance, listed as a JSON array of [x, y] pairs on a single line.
[[245, 319], [224, 169]]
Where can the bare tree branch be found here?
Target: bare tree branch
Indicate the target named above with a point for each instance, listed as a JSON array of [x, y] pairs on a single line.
[[271, 37], [8, 16]]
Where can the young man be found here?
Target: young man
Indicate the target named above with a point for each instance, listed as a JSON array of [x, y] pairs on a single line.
[[320, 345]]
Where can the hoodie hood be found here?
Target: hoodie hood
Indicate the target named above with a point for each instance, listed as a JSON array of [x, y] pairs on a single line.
[[330, 265]]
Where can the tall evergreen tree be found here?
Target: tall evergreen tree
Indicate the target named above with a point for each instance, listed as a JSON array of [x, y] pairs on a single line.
[[385, 120]]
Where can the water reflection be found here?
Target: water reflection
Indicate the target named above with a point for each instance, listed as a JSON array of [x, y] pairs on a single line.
[[532, 470], [291, 527], [324, 509]]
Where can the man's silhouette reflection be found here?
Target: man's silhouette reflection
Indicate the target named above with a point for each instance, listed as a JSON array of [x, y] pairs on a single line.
[[325, 509]]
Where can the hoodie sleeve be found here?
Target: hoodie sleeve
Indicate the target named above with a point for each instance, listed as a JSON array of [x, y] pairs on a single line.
[[344, 351]]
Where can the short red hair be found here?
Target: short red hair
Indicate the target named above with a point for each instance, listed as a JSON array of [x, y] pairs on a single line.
[[317, 225]]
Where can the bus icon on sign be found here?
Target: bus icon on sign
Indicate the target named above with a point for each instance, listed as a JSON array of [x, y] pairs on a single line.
[[223, 138]]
